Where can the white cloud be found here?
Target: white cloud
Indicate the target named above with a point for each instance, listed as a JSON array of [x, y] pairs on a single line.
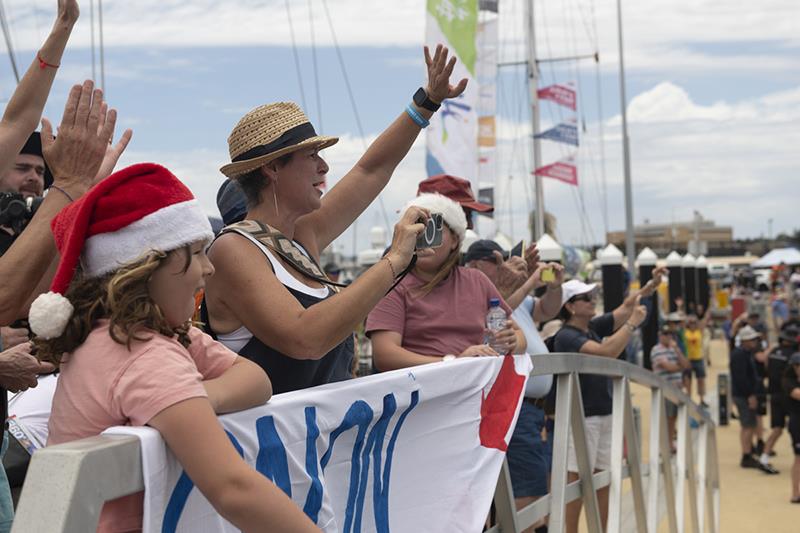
[[656, 31]]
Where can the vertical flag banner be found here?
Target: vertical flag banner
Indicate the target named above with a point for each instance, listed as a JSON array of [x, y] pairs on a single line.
[[563, 170], [487, 40], [418, 449], [453, 132], [560, 94]]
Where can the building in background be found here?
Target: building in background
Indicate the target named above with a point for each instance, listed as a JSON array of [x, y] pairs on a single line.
[[699, 236]]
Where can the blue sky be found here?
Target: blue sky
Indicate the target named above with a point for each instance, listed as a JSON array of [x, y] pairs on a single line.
[[713, 91]]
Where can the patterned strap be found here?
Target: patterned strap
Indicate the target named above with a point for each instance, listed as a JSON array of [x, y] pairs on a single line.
[[284, 247]]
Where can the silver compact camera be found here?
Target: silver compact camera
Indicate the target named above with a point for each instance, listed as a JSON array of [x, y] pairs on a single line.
[[432, 236]]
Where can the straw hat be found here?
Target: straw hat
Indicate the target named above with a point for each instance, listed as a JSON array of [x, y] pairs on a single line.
[[268, 132]]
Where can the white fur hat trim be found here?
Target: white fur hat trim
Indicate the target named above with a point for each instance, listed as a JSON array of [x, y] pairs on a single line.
[[452, 212], [49, 315]]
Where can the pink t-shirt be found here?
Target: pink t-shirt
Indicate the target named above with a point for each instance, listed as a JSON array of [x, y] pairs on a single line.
[[445, 321], [103, 384]]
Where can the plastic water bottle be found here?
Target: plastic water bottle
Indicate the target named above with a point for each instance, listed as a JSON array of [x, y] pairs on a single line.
[[496, 320]]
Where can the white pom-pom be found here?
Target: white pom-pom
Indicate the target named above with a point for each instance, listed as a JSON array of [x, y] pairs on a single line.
[[49, 315]]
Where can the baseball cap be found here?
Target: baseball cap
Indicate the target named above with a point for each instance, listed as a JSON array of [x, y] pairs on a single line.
[[675, 316], [457, 189], [575, 287], [665, 330], [483, 249], [231, 202], [789, 334], [748, 334], [795, 359]]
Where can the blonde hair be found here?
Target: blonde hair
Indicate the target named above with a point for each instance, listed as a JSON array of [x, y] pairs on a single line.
[[123, 298]]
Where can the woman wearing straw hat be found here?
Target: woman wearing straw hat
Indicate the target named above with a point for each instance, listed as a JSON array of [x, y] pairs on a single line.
[[269, 300]]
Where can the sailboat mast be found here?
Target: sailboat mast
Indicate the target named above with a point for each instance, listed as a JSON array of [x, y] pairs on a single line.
[[630, 249], [533, 88]]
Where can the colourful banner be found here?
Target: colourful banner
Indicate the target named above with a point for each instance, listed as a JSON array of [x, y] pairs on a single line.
[[487, 40], [563, 170], [560, 94], [418, 449], [452, 137], [563, 133]]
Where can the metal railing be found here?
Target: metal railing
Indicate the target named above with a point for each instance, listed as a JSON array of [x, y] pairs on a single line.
[[696, 469], [67, 484]]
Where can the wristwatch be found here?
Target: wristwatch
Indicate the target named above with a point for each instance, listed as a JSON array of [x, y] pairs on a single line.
[[422, 100], [448, 357], [631, 327]]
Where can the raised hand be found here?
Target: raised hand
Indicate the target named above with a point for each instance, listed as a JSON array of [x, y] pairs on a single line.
[[68, 10], [532, 257], [113, 153], [76, 156], [511, 274], [404, 239], [439, 72]]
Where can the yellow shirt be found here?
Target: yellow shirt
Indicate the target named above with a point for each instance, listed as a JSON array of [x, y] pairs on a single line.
[[694, 344]]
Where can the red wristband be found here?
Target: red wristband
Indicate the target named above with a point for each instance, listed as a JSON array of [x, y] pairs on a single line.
[[43, 64]]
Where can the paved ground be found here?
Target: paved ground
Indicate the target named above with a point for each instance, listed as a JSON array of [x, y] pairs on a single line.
[[750, 500]]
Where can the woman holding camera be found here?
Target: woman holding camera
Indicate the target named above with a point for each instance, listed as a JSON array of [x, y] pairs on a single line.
[[439, 310], [269, 300]]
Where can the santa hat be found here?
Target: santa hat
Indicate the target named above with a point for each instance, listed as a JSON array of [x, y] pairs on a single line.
[[451, 211], [132, 212]]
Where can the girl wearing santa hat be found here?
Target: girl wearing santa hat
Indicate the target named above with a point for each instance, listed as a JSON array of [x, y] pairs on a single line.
[[117, 322]]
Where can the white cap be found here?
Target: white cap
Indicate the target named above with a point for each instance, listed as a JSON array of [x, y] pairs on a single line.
[[748, 334], [573, 288]]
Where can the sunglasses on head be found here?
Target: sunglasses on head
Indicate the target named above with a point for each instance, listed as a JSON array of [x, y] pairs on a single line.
[[586, 297]]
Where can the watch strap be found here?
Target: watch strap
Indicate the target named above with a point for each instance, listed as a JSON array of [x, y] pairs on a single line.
[[422, 100]]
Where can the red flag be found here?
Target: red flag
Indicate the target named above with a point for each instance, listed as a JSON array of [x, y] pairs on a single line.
[[560, 94], [561, 170]]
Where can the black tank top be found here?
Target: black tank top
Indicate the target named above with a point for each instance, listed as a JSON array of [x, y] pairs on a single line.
[[287, 373]]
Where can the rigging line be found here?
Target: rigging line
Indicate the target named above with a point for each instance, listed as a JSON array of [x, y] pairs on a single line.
[[102, 49], [91, 31], [314, 62], [36, 21], [577, 72], [296, 55], [600, 119], [352, 102], [9, 46], [592, 37]]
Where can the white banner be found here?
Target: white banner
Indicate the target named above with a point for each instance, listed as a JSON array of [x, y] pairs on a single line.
[[418, 449], [452, 137]]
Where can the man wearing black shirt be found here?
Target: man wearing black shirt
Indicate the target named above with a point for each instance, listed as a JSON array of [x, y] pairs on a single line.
[[777, 360], [605, 336], [791, 388], [745, 387]]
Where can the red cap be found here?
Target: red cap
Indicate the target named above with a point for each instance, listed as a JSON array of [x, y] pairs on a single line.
[[457, 189]]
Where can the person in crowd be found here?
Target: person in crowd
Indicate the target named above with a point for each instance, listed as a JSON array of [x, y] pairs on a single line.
[[791, 388], [231, 202], [457, 189], [777, 360], [693, 337], [26, 261], [270, 301], [794, 319], [333, 271], [669, 363], [780, 310], [604, 336], [438, 311], [745, 390], [117, 322], [512, 271], [527, 455]]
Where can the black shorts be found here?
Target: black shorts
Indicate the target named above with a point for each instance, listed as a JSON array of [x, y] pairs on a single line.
[[777, 413], [794, 432], [762, 404]]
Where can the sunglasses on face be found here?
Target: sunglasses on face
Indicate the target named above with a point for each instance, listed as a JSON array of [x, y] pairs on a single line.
[[588, 297]]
